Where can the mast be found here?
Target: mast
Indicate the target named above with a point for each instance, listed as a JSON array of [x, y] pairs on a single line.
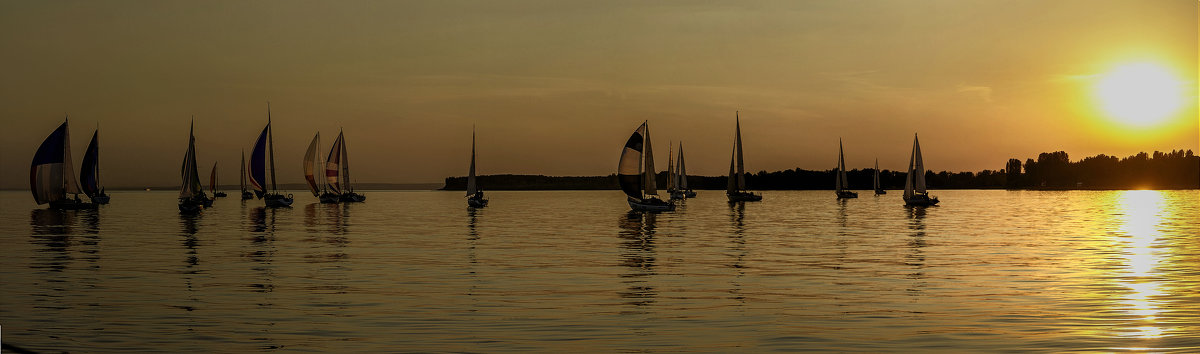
[[841, 169], [741, 166], [908, 180], [918, 166], [271, 145]]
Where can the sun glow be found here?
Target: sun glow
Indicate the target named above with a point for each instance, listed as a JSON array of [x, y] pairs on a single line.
[[1139, 94]]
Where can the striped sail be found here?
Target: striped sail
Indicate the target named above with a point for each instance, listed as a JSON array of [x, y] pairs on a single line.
[[258, 163], [629, 174], [51, 177], [89, 171], [311, 161], [333, 165], [472, 188]]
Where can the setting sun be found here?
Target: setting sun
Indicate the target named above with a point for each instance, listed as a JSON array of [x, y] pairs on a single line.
[[1139, 94]]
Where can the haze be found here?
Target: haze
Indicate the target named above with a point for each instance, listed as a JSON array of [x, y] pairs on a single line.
[[556, 87]]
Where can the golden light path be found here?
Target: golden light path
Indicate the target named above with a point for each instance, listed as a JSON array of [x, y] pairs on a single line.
[[1141, 214], [1141, 95]]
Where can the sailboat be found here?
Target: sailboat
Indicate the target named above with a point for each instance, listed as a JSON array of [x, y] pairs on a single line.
[[264, 148], [475, 197], [51, 176], [246, 194], [672, 176], [878, 190], [212, 184], [312, 159], [337, 172], [682, 176], [842, 185], [914, 184], [191, 193], [636, 175], [736, 188], [89, 173]]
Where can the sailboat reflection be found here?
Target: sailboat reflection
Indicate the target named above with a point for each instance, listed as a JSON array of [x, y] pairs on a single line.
[[916, 243], [737, 249], [51, 230], [189, 226], [638, 255]]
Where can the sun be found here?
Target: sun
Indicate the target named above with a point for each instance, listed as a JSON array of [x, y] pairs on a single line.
[[1139, 94]]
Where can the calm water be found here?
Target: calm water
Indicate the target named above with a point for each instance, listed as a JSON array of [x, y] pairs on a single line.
[[559, 271]]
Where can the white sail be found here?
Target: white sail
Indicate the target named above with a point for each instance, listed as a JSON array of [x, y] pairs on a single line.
[[682, 169], [731, 186], [650, 186], [918, 167], [311, 161], [908, 179], [741, 166], [670, 168], [841, 183], [333, 166], [876, 184], [472, 188], [629, 174], [70, 184]]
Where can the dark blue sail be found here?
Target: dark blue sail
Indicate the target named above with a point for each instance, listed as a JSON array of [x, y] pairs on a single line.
[[258, 161], [89, 174], [46, 188]]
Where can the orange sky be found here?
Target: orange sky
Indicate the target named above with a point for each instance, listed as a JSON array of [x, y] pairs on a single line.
[[555, 87]]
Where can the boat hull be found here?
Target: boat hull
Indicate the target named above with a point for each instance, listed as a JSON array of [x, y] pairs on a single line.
[[477, 202], [678, 195], [846, 194], [100, 199], [351, 197], [247, 195], [743, 197], [880, 192], [689, 194], [329, 198], [191, 206], [278, 200], [650, 204], [220, 195], [70, 204], [920, 200]]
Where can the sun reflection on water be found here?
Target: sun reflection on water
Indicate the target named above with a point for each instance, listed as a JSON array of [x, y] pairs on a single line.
[[1141, 212]]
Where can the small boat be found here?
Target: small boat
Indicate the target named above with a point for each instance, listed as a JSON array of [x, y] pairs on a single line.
[[337, 172], [736, 188], [842, 185], [89, 173], [51, 176], [682, 176], [212, 184], [246, 194], [264, 148], [672, 176], [475, 197], [878, 190], [636, 175], [914, 184], [312, 159], [191, 194]]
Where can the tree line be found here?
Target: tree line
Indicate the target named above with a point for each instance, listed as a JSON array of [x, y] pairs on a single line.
[[1054, 170]]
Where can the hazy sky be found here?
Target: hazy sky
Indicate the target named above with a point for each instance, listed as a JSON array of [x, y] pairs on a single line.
[[556, 87]]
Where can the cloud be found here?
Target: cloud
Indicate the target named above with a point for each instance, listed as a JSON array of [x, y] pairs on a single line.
[[983, 92]]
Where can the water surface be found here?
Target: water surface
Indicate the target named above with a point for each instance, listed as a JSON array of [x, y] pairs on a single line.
[[574, 270]]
